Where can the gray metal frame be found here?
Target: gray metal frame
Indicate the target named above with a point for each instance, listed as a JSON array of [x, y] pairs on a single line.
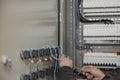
[[69, 29], [69, 47]]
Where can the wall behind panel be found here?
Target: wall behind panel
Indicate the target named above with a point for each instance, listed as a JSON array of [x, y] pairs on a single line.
[[25, 24]]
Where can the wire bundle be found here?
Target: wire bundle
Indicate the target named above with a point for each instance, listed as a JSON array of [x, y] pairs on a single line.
[[57, 60]]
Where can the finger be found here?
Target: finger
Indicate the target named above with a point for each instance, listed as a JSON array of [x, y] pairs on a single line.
[[95, 79], [87, 74], [90, 76], [83, 73], [86, 69], [89, 66]]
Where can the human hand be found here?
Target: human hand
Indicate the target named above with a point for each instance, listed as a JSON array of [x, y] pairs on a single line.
[[92, 73], [66, 61]]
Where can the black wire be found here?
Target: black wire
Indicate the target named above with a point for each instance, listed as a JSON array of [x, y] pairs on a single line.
[[58, 22], [104, 21]]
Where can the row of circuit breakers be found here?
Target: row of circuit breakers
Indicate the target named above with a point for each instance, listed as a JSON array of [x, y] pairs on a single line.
[[102, 60], [43, 63]]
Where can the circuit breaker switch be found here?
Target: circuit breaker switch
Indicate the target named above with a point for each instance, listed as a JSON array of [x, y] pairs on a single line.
[[101, 60]]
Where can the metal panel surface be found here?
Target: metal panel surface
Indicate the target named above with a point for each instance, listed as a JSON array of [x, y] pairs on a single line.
[[25, 24]]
